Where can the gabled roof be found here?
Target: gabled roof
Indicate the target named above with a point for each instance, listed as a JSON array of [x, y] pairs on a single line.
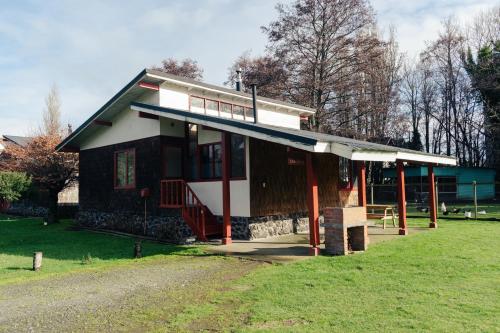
[[305, 140], [128, 93], [18, 140]]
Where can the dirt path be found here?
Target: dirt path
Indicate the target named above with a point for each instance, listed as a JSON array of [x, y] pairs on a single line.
[[134, 298]]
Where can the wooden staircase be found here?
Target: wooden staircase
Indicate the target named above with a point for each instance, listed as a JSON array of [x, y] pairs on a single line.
[[176, 193]]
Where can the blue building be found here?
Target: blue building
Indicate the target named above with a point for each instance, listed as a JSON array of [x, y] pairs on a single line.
[[453, 182]]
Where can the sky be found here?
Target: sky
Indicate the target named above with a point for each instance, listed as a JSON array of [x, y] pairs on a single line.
[[90, 49]]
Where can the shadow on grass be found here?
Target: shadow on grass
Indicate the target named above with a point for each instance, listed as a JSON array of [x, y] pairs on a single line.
[[21, 237]]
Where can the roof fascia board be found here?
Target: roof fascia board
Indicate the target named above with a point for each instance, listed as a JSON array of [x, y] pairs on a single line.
[[182, 116], [341, 150], [182, 83], [103, 109], [374, 156], [426, 158]]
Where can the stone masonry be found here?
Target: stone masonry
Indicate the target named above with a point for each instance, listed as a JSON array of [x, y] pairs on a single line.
[[345, 230]]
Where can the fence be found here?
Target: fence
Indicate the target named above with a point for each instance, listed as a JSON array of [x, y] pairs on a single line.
[[460, 197]]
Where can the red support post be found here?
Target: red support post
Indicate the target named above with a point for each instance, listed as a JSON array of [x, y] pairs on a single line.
[[361, 183], [313, 205], [403, 230], [432, 197], [226, 197]]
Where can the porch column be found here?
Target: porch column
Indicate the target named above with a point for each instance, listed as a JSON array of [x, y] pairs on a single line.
[[403, 230], [226, 197], [361, 183], [312, 205], [432, 197]]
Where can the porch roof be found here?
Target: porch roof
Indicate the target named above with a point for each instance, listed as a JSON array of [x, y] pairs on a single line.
[[306, 140]]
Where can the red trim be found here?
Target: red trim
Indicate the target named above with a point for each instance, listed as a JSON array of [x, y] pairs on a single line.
[[432, 197], [146, 85], [148, 115], [226, 195], [361, 183], [128, 186], [312, 203], [403, 230], [102, 123]]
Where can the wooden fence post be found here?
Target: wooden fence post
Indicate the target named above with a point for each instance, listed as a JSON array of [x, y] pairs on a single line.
[[474, 186], [37, 261]]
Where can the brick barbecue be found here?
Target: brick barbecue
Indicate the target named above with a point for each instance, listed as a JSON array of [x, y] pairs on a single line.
[[345, 230]]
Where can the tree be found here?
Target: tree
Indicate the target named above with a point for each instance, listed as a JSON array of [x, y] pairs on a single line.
[[12, 186], [321, 44], [50, 170], [411, 99], [268, 73], [187, 68]]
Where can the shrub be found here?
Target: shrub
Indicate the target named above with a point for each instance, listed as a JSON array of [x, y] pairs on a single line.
[[13, 185]]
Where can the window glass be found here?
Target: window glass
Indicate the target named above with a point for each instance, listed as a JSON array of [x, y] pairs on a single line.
[[211, 161], [225, 110], [238, 111], [193, 151], [237, 155], [125, 168], [197, 102], [345, 180], [249, 113], [212, 106]]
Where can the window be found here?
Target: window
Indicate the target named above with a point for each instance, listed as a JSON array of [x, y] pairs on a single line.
[[211, 161], [197, 104], [212, 107], [172, 162], [125, 169], [225, 110], [248, 113], [345, 174], [238, 111], [237, 156], [193, 151]]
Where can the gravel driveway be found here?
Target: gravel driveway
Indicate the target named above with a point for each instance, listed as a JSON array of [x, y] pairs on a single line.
[[133, 298]]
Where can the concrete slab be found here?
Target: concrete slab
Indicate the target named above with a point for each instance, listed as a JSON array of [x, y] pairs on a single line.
[[293, 247]]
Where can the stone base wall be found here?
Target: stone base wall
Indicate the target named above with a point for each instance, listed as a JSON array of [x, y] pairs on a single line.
[[168, 228], [268, 226], [64, 211]]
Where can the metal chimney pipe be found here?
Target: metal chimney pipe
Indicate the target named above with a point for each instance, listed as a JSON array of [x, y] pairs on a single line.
[[238, 79], [254, 100]]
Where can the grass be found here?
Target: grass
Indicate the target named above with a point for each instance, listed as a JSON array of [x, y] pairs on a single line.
[[446, 279], [66, 251]]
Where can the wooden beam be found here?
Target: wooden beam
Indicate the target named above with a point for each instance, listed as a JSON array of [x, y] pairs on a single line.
[[147, 85], [102, 123], [361, 183], [403, 230], [312, 205], [226, 195], [148, 115], [432, 196]]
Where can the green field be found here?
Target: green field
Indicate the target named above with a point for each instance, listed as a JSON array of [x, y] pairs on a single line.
[[446, 279], [65, 251]]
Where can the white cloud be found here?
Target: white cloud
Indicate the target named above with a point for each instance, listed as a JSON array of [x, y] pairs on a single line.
[[91, 50]]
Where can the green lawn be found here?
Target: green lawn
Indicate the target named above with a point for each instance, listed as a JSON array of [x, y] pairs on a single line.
[[64, 250], [446, 279]]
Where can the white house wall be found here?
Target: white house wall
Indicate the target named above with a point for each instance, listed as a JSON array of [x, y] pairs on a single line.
[[172, 127], [176, 97], [210, 192], [275, 118]]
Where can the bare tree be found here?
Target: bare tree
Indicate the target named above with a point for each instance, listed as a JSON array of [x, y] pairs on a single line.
[[188, 68], [51, 124]]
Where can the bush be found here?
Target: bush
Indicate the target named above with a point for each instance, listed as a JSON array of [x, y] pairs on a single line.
[[13, 185]]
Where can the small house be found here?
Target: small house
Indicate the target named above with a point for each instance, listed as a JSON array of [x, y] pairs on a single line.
[[171, 157]]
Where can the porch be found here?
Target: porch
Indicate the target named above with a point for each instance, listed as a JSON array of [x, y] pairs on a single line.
[[295, 247]]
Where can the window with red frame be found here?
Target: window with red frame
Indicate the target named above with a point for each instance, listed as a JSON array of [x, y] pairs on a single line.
[[211, 161], [125, 169], [345, 174]]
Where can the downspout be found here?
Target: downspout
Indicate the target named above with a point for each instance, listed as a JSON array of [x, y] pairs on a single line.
[[254, 100]]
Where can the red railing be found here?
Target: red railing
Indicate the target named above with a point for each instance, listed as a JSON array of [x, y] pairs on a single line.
[[177, 194]]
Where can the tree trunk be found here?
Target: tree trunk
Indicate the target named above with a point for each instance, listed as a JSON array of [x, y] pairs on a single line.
[[52, 216]]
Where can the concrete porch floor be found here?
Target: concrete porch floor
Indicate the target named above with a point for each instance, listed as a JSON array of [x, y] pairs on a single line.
[[294, 247]]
